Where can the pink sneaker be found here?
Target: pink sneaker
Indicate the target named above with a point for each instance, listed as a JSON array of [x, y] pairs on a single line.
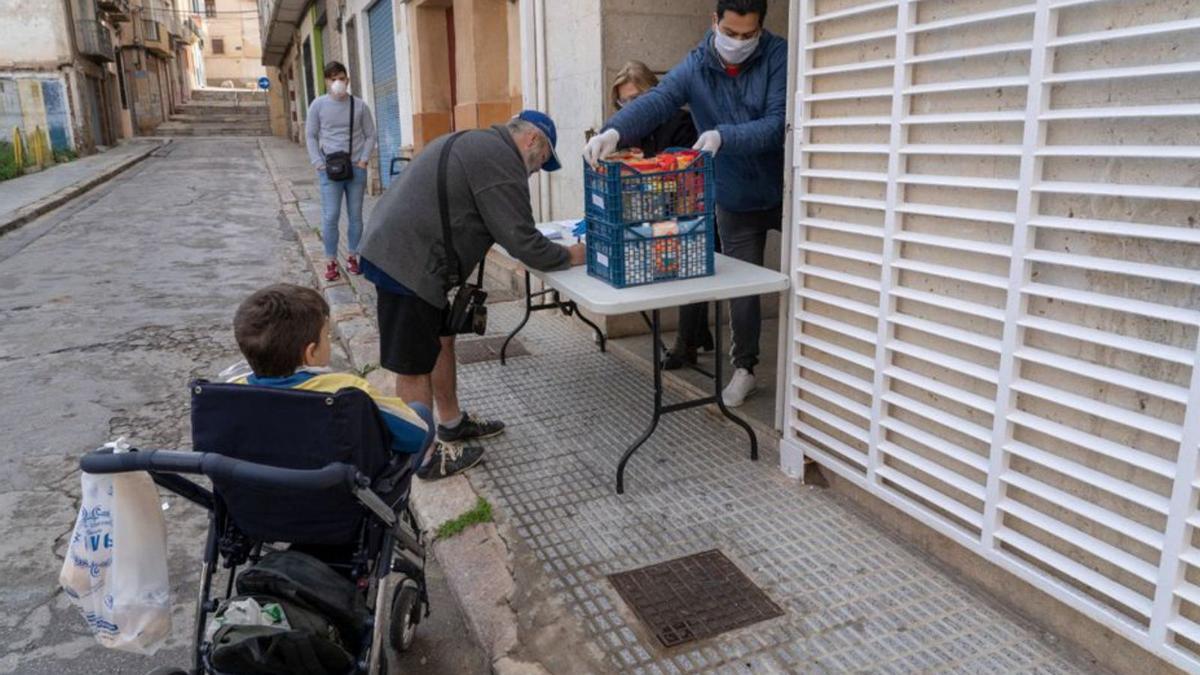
[[331, 272], [352, 265]]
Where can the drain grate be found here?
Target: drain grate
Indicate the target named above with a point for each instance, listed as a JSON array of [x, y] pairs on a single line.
[[487, 349], [694, 597]]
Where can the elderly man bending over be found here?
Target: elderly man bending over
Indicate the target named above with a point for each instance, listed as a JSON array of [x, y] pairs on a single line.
[[487, 189]]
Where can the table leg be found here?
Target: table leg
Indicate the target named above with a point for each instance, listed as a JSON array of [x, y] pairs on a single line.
[[524, 320], [717, 379], [596, 329], [693, 366], [567, 307], [658, 396]]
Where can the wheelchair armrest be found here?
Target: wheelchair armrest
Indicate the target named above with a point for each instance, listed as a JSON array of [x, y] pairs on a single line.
[[219, 467]]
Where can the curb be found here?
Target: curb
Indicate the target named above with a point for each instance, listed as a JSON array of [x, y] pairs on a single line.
[[478, 562], [41, 207]]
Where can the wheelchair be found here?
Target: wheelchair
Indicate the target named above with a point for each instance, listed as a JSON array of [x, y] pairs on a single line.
[[310, 470]]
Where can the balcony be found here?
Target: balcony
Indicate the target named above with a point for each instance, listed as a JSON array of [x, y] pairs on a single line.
[[116, 10], [94, 40], [279, 20], [194, 27], [176, 28], [155, 37]]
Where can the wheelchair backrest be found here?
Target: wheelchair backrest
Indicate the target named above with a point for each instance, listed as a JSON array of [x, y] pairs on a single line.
[[297, 430]]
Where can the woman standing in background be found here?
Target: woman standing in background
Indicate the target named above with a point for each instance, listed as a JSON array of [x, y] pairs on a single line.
[[634, 79]]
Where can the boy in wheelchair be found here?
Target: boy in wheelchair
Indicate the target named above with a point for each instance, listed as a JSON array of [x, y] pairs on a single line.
[[283, 330], [310, 474]]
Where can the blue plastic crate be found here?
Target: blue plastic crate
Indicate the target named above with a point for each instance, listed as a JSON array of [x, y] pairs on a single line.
[[629, 255], [618, 194]]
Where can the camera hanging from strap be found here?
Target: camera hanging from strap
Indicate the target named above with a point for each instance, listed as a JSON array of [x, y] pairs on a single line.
[[339, 166], [466, 311]]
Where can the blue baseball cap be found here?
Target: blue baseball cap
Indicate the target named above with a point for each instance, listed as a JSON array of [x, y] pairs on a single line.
[[546, 125]]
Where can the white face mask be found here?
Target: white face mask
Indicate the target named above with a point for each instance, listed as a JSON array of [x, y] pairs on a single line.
[[338, 88], [732, 50]]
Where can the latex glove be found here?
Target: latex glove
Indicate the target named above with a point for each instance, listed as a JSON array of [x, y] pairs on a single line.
[[709, 141], [602, 145]]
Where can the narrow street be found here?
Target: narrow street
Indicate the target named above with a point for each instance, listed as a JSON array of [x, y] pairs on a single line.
[[110, 305]]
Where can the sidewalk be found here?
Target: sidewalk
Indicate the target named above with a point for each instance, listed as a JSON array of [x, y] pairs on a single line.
[[26, 197], [854, 598]]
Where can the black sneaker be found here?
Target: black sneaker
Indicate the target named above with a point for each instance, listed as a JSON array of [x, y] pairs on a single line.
[[449, 459], [678, 358], [470, 428]]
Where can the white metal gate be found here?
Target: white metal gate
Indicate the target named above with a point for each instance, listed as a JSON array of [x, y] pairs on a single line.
[[997, 271]]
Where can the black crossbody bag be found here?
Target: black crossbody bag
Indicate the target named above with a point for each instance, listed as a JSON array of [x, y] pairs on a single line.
[[338, 165], [467, 312]]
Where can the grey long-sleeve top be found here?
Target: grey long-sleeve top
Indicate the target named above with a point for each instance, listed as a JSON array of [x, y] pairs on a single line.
[[328, 126], [487, 190]]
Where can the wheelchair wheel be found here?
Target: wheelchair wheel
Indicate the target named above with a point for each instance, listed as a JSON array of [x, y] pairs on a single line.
[[406, 613]]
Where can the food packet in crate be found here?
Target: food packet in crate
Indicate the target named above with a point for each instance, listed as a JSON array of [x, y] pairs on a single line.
[[666, 247], [115, 569]]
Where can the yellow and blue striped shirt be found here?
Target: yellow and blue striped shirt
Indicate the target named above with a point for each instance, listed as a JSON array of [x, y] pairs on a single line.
[[408, 429]]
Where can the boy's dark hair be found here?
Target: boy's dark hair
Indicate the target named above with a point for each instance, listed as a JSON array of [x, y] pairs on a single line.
[[758, 7], [334, 68], [275, 324]]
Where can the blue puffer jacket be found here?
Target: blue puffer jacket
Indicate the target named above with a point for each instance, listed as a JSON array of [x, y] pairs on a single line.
[[748, 110]]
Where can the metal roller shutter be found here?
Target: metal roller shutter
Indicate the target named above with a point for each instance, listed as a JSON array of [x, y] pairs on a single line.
[[383, 76]]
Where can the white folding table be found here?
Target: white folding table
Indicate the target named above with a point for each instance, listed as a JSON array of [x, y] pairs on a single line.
[[733, 279], [555, 302]]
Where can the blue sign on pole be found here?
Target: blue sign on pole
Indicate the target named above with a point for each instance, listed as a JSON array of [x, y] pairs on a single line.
[[264, 82]]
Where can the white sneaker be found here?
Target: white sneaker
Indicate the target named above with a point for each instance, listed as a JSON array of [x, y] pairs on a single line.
[[740, 386]]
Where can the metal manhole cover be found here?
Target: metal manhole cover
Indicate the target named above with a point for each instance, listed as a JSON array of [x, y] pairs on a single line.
[[694, 597], [487, 349]]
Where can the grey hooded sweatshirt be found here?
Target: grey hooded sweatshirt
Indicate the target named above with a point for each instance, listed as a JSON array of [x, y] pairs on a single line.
[[488, 196]]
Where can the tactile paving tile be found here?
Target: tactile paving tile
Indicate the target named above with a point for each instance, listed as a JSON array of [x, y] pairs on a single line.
[[477, 350], [854, 598]]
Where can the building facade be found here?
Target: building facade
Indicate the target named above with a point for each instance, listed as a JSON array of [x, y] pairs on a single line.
[[87, 73], [57, 72], [160, 60], [233, 50]]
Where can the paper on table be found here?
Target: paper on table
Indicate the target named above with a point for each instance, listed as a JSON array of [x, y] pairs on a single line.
[[550, 231]]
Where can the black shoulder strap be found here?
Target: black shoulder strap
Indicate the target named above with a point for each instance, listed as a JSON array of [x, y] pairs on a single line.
[[453, 264]]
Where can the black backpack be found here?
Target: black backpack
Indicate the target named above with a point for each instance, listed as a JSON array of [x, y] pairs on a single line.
[[326, 614]]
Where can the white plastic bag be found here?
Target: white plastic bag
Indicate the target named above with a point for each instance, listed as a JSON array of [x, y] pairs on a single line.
[[236, 371], [115, 569], [247, 612]]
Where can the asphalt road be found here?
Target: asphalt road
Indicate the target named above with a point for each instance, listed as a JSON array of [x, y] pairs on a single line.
[[108, 307]]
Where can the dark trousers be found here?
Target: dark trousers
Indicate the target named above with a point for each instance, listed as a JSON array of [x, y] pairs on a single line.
[[692, 332], [744, 237]]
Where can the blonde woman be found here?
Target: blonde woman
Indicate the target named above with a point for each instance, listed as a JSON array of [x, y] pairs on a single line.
[[634, 79]]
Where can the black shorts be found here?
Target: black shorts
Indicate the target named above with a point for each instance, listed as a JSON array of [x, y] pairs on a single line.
[[410, 332]]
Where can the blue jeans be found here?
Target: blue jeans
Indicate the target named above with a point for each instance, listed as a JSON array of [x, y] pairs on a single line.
[[331, 210]]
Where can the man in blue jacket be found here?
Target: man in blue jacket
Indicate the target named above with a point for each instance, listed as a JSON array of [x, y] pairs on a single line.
[[735, 82]]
